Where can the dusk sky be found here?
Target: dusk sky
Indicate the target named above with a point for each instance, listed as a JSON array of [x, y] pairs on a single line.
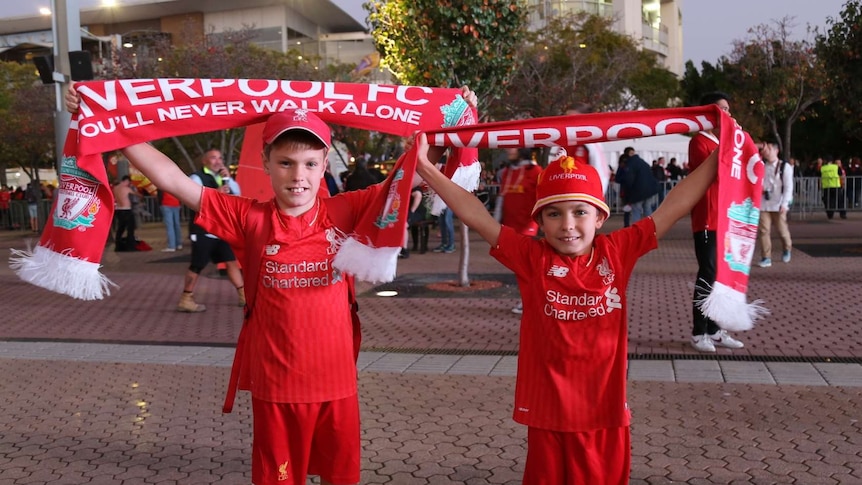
[[710, 27]]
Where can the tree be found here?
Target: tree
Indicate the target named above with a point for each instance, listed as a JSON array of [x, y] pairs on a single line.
[[578, 58], [27, 112], [450, 43], [839, 49], [226, 55], [775, 78]]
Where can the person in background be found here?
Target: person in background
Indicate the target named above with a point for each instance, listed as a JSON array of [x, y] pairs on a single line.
[[705, 333], [33, 195], [774, 203], [518, 194], [207, 247], [170, 207], [639, 185], [5, 203], [124, 216], [832, 182]]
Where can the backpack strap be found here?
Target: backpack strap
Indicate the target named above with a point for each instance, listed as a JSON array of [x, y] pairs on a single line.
[[259, 225]]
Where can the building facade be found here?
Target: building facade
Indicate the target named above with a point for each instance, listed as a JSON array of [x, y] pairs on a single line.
[[332, 31]]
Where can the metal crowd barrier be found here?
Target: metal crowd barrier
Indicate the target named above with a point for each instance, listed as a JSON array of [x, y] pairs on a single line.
[[807, 200], [807, 196]]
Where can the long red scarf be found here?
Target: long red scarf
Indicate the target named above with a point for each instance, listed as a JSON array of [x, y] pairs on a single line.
[[115, 114]]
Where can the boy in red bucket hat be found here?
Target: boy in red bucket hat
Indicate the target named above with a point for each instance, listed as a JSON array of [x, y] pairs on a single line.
[[571, 384]]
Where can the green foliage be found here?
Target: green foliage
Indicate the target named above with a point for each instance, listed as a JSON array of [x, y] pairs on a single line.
[[227, 55], [27, 112], [840, 51], [579, 59], [776, 80], [450, 43]]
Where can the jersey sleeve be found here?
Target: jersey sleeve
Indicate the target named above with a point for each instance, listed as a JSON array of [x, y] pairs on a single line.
[[698, 149], [224, 216], [633, 242], [348, 208], [516, 251]]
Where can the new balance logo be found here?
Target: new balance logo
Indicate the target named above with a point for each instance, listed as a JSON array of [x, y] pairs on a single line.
[[272, 249], [558, 271]]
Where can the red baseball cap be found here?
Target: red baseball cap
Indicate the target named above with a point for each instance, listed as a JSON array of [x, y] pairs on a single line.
[[566, 180], [296, 119]]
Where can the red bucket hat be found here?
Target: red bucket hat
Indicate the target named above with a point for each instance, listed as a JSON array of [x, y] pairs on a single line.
[[565, 180], [296, 119]]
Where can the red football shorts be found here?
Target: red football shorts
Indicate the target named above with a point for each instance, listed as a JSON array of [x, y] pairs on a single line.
[[556, 458], [295, 440]]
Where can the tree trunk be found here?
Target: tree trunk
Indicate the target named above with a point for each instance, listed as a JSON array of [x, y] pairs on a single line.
[[788, 128], [464, 261], [185, 153]]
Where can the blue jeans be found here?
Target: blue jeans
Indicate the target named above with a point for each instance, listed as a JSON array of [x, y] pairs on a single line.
[[171, 218], [642, 209], [447, 229]]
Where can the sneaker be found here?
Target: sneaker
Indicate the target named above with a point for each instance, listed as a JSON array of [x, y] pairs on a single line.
[[723, 339], [702, 343], [519, 308], [785, 256], [449, 250], [438, 249], [765, 263], [168, 250]]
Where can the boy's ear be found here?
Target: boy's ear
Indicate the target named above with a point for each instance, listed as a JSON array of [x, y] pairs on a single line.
[[600, 219], [263, 162]]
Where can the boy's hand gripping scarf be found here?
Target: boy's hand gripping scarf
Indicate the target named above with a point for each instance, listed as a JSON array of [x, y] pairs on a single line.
[[740, 177], [116, 114]]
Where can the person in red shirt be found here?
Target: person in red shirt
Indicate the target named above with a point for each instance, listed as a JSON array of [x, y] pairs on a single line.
[[571, 383], [705, 333], [299, 342], [518, 194]]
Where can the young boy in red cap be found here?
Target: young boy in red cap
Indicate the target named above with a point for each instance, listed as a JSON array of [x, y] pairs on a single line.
[[571, 384], [299, 342]]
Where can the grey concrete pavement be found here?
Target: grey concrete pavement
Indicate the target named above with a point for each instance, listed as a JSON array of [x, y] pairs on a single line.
[[127, 391]]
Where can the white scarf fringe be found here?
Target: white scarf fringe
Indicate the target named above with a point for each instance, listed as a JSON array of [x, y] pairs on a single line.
[[730, 310], [374, 265], [61, 273], [466, 177]]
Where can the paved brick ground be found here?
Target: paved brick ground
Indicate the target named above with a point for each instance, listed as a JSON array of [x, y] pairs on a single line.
[[66, 422]]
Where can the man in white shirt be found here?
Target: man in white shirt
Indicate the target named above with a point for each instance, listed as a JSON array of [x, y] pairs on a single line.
[[775, 203]]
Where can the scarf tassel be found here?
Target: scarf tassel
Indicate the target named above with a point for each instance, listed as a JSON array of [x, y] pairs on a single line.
[[61, 273], [465, 176], [730, 310], [367, 263]]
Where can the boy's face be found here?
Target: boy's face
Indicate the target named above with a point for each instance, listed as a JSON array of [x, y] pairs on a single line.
[[571, 226], [295, 174]]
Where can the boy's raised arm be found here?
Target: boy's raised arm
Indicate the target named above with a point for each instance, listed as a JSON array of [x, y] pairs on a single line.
[[685, 195], [165, 174], [469, 209]]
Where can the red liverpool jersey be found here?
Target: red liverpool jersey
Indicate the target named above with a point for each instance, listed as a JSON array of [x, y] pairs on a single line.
[[573, 344], [299, 341], [518, 188], [704, 215]]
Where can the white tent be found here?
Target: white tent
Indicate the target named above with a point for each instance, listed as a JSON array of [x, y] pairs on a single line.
[[650, 148]]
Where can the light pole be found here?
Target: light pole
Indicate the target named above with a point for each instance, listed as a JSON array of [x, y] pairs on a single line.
[[66, 32]]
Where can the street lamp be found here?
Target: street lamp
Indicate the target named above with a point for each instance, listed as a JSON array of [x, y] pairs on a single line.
[[66, 34]]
